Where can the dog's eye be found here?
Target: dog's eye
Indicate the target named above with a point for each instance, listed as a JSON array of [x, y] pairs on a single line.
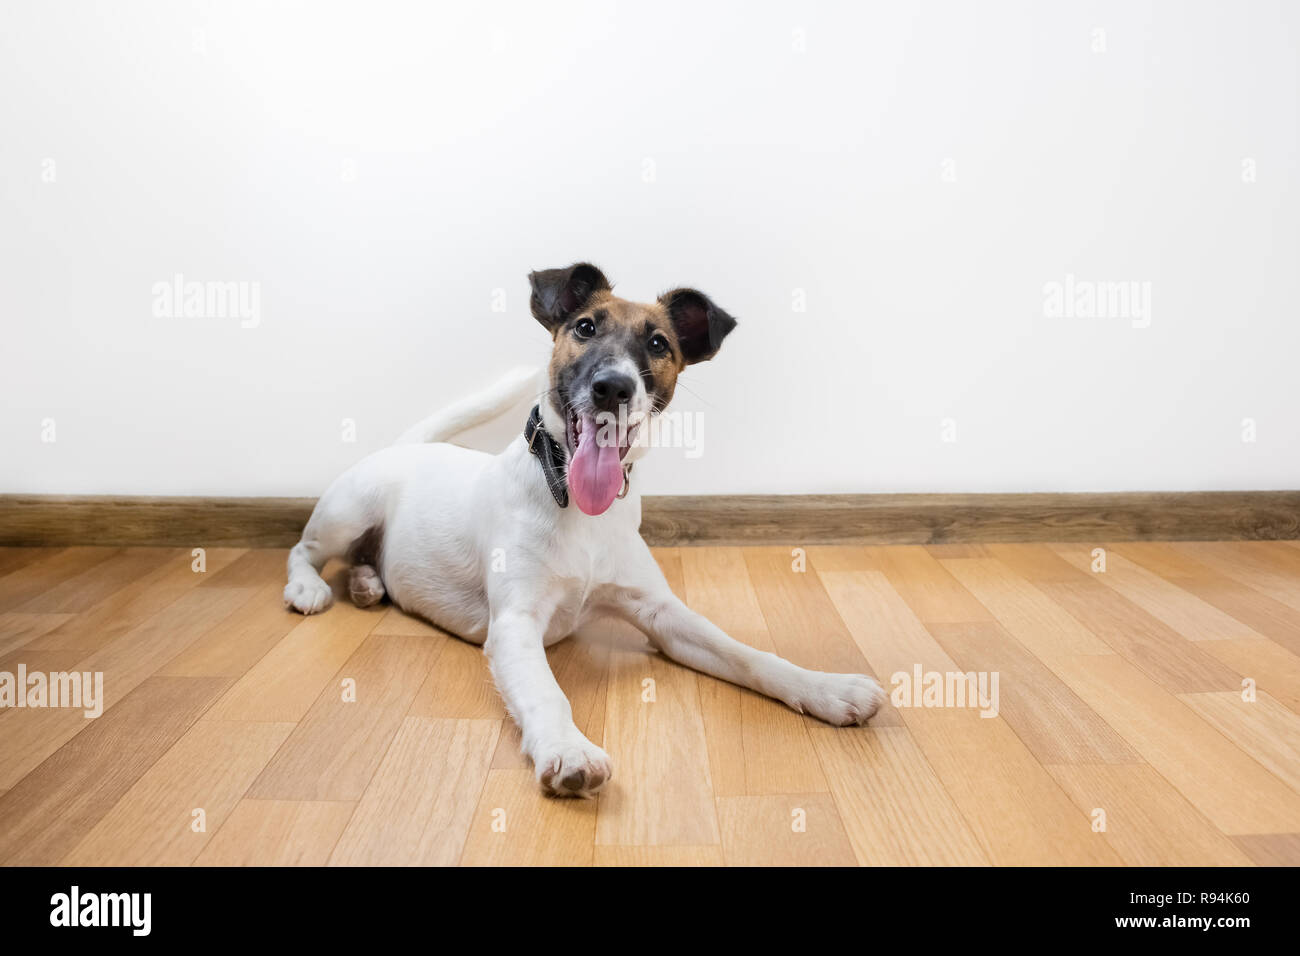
[[658, 344], [585, 329]]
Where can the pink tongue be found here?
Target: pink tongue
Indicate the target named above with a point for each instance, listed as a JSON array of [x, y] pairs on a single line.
[[595, 472]]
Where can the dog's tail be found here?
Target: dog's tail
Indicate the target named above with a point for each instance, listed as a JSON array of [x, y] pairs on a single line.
[[517, 385]]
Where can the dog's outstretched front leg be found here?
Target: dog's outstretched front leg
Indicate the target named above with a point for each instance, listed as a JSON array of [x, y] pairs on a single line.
[[567, 764], [694, 640]]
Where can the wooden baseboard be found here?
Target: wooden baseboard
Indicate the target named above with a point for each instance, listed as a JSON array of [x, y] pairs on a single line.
[[59, 520], [939, 519], [62, 520]]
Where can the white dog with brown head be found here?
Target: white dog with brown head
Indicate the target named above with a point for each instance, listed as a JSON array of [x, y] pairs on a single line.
[[517, 550]]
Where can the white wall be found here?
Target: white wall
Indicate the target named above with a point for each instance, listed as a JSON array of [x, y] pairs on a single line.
[[380, 169]]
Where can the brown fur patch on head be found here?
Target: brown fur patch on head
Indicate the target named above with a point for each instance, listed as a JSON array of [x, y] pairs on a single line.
[[591, 326], [626, 328]]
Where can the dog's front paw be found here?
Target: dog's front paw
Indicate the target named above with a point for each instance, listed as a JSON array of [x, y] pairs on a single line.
[[309, 596], [842, 699], [572, 768]]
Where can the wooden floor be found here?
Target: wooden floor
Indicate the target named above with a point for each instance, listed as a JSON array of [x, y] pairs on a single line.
[[1122, 735]]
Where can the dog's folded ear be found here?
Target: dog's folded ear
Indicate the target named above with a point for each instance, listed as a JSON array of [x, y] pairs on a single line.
[[700, 325], [558, 293]]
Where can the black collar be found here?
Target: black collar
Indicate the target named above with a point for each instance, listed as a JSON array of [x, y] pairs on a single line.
[[551, 454]]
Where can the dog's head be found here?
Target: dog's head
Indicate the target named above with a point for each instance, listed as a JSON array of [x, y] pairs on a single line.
[[615, 363]]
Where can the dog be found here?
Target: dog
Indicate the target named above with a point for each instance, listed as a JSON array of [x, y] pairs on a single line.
[[515, 551]]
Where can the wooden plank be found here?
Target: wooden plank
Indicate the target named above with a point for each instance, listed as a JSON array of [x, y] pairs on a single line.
[[581, 668], [1273, 668], [208, 769], [1267, 567], [659, 856], [756, 745], [1047, 716], [783, 830], [843, 557], [1035, 620], [514, 825], [11, 559], [1016, 810], [803, 623], [85, 590], [1273, 619], [1179, 609], [1163, 654], [45, 661], [32, 580], [1019, 815], [1281, 558], [459, 684], [133, 603], [1262, 728], [670, 563], [418, 808], [934, 595], [141, 651], [717, 584], [1228, 787], [239, 641], [941, 551], [277, 833], [50, 809], [17, 628], [882, 625], [286, 682], [32, 735], [1271, 849], [1036, 562], [333, 752], [253, 569], [661, 792], [1147, 821], [395, 621], [732, 520], [508, 754], [1165, 559], [1054, 724], [894, 808], [721, 709], [721, 704]]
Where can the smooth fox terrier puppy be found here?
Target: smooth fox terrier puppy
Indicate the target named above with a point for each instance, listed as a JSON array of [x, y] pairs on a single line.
[[427, 523]]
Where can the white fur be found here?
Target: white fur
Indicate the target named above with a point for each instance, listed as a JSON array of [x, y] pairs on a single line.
[[457, 417], [476, 544]]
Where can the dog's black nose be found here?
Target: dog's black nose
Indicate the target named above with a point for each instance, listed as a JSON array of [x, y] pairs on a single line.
[[610, 390]]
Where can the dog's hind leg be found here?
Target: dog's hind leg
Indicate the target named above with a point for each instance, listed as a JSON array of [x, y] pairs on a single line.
[[365, 586], [341, 518]]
